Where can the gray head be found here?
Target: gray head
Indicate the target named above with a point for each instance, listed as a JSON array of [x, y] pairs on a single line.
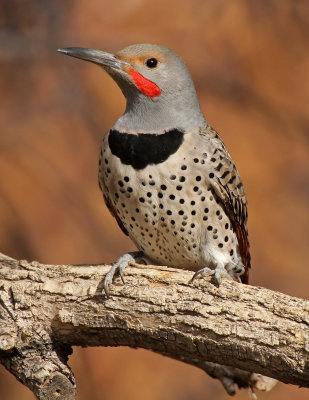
[[157, 84]]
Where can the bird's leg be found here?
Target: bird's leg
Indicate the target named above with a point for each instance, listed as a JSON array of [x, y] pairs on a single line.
[[220, 271], [119, 266], [217, 272]]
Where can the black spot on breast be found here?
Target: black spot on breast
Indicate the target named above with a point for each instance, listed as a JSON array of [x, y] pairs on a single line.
[[145, 148]]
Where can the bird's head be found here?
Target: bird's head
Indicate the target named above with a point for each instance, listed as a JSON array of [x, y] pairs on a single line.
[[155, 81]]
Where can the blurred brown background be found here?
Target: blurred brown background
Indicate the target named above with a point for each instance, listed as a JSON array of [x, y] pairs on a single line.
[[250, 63]]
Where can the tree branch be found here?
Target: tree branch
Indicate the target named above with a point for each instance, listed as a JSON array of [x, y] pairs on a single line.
[[234, 332]]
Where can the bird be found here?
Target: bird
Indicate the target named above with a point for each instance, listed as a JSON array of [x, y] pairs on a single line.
[[165, 174]]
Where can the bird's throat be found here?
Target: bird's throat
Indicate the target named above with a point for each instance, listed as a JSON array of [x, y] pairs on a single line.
[[147, 87]]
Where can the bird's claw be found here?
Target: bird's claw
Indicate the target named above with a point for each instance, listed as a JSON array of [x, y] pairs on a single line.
[[109, 277], [121, 276], [118, 268], [217, 273], [202, 271], [236, 271]]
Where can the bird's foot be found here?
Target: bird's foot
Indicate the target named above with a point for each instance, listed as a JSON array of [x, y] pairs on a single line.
[[202, 272], [235, 271], [119, 266], [217, 273]]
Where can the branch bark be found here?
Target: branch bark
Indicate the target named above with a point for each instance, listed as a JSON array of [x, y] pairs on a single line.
[[235, 332]]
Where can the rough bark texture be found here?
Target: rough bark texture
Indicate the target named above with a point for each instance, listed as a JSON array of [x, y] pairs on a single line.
[[46, 309]]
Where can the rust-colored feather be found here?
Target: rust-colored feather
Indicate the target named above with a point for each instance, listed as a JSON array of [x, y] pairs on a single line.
[[236, 210]]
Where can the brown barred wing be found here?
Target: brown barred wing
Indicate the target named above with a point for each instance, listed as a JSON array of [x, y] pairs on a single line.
[[229, 191]]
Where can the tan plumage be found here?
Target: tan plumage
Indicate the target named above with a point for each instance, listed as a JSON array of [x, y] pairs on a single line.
[[225, 186]]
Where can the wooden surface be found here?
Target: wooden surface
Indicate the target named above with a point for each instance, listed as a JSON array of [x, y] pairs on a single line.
[[46, 309]]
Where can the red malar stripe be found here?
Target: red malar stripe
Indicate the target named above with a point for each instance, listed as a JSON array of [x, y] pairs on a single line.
[[147, 87]]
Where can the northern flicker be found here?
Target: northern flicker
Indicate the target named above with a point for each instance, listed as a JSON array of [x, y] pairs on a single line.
[[165, 174]]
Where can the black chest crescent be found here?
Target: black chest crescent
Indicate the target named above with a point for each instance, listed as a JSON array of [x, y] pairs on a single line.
[[144, 148]]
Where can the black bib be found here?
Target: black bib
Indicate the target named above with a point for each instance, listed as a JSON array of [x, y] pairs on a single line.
[[144, 148]]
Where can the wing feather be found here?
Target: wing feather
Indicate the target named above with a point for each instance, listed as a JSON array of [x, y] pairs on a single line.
[[229, 192]]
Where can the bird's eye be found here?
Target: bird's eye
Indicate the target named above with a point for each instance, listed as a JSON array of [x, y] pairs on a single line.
[[151, 62]]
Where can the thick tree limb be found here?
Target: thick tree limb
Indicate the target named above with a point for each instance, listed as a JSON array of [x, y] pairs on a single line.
[[46, 309]]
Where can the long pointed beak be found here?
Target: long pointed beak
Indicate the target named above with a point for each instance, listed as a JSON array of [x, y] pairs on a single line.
[[95, 56]]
